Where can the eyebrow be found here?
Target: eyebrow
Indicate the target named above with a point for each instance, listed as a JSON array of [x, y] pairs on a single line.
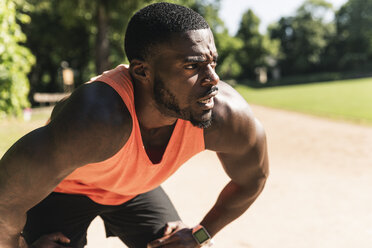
[[198, 59]]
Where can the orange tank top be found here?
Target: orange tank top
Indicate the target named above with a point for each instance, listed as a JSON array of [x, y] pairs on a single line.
[[130, 171]]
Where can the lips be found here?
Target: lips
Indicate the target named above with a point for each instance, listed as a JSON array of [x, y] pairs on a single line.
[[207, 102]]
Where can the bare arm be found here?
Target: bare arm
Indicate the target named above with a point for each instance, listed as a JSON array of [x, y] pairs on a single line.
[[240, 142], [248, 172], [91, 126]]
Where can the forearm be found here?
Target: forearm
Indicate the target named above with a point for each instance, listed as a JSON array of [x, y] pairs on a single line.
[[11, 226], [29, 171], [233, 201]]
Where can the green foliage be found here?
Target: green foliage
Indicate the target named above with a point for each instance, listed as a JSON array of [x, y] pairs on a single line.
[[64, 30], [228, 47], [15, 60], [89, 35], [252, 53], [347, 99], [304, 37], [256, 48], [74, 31], [353, 43], [52, 42]]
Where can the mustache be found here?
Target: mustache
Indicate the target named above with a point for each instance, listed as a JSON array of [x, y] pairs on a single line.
[[210, 91]]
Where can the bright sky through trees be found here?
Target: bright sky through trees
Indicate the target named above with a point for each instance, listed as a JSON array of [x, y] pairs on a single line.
[[268, 11]]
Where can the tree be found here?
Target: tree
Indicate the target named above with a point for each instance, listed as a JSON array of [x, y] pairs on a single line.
[[228, 47], [105, 21], [86, 34], [15, 60], [89, 35], [256, 47], [53, 42], [353, 40], [304, 37]]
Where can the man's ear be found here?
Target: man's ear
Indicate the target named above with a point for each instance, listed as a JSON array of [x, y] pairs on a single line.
[[139, 70]]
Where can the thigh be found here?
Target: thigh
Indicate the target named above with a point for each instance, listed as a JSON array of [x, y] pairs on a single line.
[[141, 219], [69, 214]]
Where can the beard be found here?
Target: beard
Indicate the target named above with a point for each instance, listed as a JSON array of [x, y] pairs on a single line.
[[168, 105]]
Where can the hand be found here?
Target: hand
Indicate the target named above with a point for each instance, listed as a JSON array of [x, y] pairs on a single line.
[[176, 235], [53, 240], [172, 227]]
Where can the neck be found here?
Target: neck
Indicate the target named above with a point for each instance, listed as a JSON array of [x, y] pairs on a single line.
[[148, 113]]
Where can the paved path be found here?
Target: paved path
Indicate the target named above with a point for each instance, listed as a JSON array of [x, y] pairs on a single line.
[[319, 194]]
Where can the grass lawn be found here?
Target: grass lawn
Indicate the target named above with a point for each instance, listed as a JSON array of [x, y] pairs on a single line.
[[12, 129], [349, 100]]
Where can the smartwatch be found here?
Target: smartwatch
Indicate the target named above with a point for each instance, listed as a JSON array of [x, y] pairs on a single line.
[[202, 236]]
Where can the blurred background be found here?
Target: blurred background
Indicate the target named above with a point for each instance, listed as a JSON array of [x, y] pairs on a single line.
[[50, 47]]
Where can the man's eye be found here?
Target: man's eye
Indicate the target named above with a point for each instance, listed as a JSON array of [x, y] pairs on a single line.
[[191, 66]]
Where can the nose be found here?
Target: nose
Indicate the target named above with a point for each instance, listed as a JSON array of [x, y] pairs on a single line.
[[211, 77]]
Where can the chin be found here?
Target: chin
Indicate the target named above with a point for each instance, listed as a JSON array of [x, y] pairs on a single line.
[[204, 121]]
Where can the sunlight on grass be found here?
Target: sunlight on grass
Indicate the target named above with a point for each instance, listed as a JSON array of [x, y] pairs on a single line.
[[347, 99], [12, 129]]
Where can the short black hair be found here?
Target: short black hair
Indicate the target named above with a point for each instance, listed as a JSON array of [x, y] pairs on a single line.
[[155, 23]]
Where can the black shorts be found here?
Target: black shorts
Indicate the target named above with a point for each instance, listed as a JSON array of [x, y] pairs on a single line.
[[135, 222]]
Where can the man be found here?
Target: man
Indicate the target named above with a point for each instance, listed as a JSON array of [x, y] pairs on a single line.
[[111, 144]]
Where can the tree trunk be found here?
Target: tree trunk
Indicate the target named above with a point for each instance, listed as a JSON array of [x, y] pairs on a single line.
[[102, 41]]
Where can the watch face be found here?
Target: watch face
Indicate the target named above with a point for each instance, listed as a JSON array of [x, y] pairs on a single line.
[[201, 235]]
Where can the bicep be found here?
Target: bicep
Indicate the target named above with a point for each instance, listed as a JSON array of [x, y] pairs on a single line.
[[250, 161]]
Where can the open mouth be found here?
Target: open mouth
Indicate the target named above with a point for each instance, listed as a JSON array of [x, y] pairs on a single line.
[[206, 101], [208, 98]]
